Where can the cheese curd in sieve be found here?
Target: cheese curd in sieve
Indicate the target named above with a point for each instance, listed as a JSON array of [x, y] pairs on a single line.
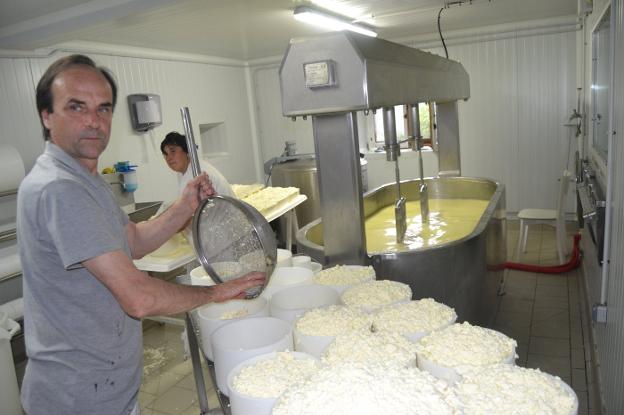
[[507, 389], [424, 315], [368, 389], [270, 377], [466, 345], [376, 294], [333, 320], [344, 275], [386, 348]]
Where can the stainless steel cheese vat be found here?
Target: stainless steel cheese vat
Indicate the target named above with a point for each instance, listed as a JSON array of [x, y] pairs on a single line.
[[301, 174], [465, 273]]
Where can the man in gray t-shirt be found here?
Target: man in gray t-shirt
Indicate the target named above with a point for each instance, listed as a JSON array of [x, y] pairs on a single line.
[[83, 297]]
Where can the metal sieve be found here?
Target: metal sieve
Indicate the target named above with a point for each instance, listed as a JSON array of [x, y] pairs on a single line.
[[231, 238]]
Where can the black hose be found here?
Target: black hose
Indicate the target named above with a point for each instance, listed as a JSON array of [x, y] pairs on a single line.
[[440, 32]]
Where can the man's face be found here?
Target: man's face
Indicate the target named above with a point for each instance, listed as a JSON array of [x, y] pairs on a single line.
[[82, 113], [176, 158]]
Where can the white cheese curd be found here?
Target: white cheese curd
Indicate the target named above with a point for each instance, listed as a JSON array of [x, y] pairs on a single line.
[[387, 348], [344, 275], [508, 389], [367, 389], [231, 314], [419, 316], [375, 294], [227, 269], [243, 190], [333, 320], [269, 378], [461, 345], [265, 199]]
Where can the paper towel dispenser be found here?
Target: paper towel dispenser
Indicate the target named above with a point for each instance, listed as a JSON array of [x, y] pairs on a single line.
[[144, 111]]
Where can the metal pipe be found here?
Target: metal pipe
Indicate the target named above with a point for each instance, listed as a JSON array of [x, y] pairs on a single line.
[[9, 235], [423, 194], [190, 141], [393, 151], [8, 192], [397, 175], [604, 284], [390, 137]]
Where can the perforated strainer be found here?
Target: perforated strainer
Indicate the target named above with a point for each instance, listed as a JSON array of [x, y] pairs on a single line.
[[231, 238]]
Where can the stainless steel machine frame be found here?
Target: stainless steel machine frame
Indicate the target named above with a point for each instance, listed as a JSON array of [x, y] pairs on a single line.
[[332, 76], [464, 274]]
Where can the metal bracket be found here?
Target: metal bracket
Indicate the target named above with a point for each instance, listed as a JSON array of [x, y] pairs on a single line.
[[599, 313]]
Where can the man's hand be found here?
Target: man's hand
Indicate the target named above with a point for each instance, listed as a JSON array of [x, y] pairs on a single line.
[[236, 288], [197, 190]]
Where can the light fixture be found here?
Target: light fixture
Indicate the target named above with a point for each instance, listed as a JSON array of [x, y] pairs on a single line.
[[329, 20]]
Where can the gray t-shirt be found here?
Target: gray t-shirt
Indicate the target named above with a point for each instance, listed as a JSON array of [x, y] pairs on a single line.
[[85, 352]]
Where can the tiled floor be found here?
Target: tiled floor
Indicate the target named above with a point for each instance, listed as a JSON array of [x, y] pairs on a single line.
[[542, 312]]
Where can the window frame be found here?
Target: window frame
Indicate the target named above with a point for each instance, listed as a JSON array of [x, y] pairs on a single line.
[[376, 141]]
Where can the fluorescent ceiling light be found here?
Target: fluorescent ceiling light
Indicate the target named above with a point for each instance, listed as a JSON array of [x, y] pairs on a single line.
[[329, 21]]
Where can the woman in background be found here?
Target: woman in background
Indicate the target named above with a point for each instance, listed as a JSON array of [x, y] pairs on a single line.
[[175, 152]]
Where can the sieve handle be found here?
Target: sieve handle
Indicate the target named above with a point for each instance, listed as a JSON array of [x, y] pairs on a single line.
[[190, 141]]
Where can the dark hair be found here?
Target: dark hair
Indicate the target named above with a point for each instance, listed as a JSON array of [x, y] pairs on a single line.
[[174, 139], [44, 87]]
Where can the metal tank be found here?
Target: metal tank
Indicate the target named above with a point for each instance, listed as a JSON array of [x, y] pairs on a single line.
[[332, 76], [464, 274], [300, 173]]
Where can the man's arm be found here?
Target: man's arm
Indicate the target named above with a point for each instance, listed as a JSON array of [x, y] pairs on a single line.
[[147, 236], [142, 296]]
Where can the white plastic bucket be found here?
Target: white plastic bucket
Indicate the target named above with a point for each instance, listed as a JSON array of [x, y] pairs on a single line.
[[284, 277], [342, 288], [209, 317], [290, 303], [313, 345], [240, 340], [242, 404], [9, 391], [450, 374], [199, 276], [303, 261], [315, 267], [284, 258]]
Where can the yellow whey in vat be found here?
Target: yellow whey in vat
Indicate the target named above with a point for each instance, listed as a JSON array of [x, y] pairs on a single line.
[[449, 220]]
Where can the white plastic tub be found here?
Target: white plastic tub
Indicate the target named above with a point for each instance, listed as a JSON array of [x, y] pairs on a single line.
[[243, 404], [312, 345], [199, 276], [285, 277], [451, 375], [334, 273], [284, 258], [211, 317], [303, 261], [315, 267], [240, 340], [290, 303], [373, 295]]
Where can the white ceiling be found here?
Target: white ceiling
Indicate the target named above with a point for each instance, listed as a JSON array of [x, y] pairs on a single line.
[[238, 29]]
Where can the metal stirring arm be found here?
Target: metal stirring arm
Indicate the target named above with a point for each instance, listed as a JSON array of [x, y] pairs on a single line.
[[423, 192], [393, 151]]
